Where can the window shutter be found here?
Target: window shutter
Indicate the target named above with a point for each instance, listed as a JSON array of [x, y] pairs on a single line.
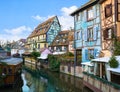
[[95, 52], [94, 11], [86, 54], [85, 35], [95, 33], [85, 16], [75, 35], [80, 35]]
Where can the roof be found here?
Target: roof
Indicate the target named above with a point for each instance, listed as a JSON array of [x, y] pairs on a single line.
[[12, 61], [86, 5], [101, 1], [59, 38], [42, 28]]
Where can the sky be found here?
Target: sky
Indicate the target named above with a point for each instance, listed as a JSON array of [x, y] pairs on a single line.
[[18, 18]]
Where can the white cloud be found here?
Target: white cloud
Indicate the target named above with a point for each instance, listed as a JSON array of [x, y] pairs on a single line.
[[16, 33], [18, 30], [39, 18], [67, 11], [65, 19]]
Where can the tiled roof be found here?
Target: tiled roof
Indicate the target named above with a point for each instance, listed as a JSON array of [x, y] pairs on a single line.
[[69, 37], [42, 28], [83, 7]]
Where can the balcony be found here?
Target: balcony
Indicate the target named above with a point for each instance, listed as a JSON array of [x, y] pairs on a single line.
[[41, 40]]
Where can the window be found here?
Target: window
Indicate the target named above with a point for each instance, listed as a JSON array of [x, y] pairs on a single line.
[[54, 48], [9, 71], [108, 10], [77, 18], [38, 46], [64, 40], [90, 34], [108, 33], [90, 14], [45, 45], [57, 41], [90, 54]]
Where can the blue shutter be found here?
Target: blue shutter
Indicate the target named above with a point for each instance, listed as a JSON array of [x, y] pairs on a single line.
[[86, 54], [94, 11], [95, 33], [95, 53], [75, 35], [85, 16], [80, 35], [85, 35]]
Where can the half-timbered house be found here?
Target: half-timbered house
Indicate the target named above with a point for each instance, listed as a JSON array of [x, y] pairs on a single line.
[[87, 30], [63, 42], [44, 34], [110, 24]]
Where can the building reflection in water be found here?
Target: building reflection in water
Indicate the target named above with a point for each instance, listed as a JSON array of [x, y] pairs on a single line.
[[52, 82]]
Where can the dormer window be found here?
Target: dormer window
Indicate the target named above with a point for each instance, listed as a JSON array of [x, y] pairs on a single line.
[[108, 10], [57, 41], [90, 14], [64, 40]]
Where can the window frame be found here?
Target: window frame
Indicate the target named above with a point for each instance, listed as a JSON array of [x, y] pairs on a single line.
[[108, 10], [90, 33], [107, 35], [77, 17], [78, 35], [90, 52], [89, 15]]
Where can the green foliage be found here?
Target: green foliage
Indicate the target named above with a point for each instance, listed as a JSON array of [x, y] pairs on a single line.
[[2, 76], [91, 57], [113, 62], [35, 54], [116, 47], [54, 63], [68, 54]]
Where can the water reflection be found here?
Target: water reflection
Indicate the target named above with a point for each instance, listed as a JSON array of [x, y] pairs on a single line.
[[25, 87], [47, 81]]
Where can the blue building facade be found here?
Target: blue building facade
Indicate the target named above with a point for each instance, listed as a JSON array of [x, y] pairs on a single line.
[[87, 30]]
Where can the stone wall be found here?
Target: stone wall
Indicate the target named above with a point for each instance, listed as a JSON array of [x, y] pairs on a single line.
[[70, 70]]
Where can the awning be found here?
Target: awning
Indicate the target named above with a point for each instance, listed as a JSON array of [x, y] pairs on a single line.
[[43, 56]]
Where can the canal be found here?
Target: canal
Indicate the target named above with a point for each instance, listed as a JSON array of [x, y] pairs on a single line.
[[47, 81]]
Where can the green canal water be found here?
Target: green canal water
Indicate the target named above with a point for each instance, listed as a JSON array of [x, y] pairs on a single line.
[[46, 81]]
